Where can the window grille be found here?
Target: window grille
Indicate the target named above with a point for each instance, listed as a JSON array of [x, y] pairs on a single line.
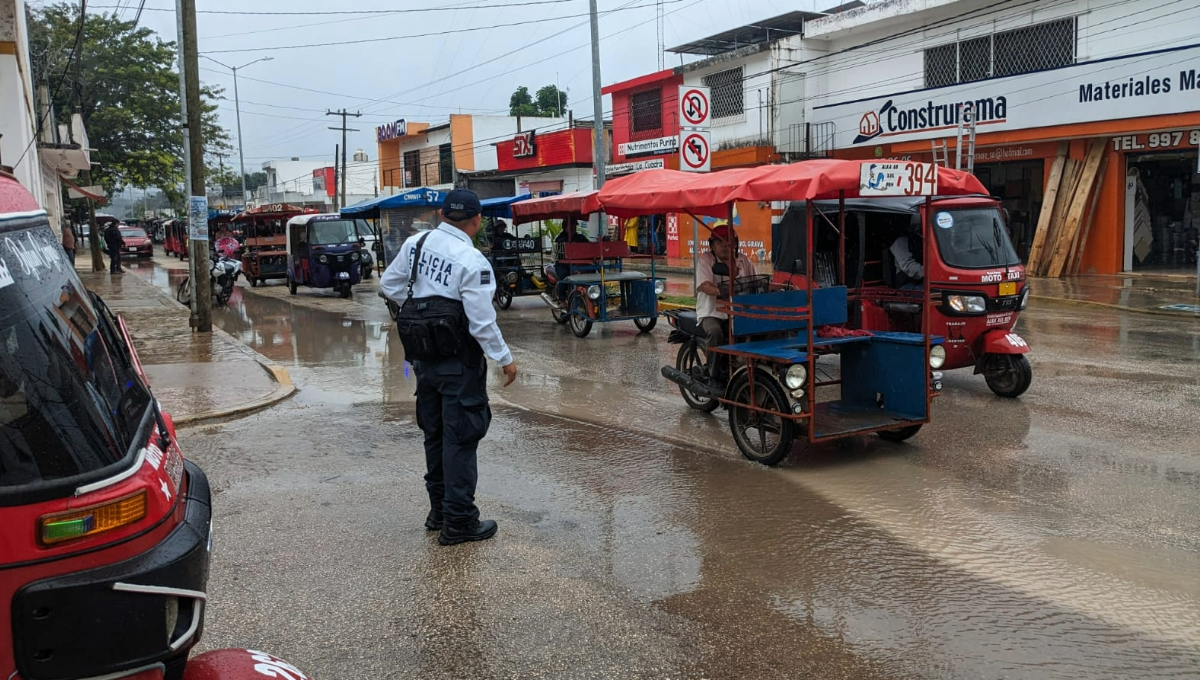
[[727, 93], [445, 164], [1008, 53], [412, 168], [646, 111]]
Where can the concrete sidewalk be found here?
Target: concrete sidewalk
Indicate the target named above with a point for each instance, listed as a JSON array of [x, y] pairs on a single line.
[[196, 376]]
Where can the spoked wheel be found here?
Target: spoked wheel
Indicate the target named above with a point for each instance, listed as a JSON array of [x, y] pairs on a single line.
[[899, 435], [762, 437], [690, 360], [1008, 375], [223, 296], [504, 298], [345, 290], [647, 324], [559, 315], [581, 325], [184, 292]]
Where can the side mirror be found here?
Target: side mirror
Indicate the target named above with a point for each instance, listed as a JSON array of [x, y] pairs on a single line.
[[720, 269]]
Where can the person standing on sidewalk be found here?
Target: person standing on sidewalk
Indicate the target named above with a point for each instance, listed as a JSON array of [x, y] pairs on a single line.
[[452, 400], [68, 242], [112, 239]]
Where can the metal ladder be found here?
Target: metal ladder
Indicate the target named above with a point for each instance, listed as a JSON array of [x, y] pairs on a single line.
[[962, 156]]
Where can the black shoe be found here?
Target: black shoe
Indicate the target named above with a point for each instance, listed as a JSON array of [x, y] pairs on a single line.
[[433, 521], [475, 531]]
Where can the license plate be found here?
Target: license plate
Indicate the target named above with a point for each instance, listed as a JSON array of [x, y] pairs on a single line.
[[1008, 288], [343, 275]]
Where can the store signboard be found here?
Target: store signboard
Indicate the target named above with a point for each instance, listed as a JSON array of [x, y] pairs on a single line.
[[646, 147], [614, 169], [1158, 141], [1154, 83]]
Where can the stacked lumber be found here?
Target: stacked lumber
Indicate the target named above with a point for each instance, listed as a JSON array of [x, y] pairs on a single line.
[[1068, 209]]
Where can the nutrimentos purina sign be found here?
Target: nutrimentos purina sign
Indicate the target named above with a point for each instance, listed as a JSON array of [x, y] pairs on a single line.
[[1147, 84]]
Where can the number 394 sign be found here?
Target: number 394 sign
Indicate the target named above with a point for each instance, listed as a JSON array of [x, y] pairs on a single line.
[[898, 179]]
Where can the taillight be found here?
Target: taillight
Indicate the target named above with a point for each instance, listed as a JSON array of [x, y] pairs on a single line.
[[74, 524]]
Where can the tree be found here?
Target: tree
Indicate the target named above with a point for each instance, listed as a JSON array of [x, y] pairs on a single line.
[[127, 94], [255, 180], [521, 103], [551, 102]]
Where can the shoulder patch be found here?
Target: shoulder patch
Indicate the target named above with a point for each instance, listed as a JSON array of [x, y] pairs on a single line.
[[485, 277]]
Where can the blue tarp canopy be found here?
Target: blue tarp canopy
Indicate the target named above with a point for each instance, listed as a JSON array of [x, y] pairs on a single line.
[[413, 197], [502, 206]]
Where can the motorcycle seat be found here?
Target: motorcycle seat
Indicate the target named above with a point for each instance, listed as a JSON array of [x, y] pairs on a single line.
[[551, 276], [687, 322]]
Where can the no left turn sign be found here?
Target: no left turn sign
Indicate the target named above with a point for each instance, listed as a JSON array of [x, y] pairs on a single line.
[[694, 153], [694, 106]]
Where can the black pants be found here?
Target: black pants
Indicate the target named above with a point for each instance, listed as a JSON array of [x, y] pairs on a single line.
[[453, 412], [114, 256], [716, 332]]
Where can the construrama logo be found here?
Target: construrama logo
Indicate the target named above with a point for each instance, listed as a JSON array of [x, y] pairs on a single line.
[[889, 120]]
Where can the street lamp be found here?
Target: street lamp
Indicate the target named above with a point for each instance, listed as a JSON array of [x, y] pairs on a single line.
[[237, 107]]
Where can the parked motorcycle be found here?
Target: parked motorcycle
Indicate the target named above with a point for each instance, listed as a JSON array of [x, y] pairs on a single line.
[[222, 276]]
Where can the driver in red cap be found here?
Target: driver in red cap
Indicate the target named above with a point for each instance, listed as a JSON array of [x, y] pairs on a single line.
[[722, 243]]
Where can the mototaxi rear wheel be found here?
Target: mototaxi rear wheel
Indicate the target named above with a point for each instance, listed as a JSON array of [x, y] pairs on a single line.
[[581, 325], [764, 436]]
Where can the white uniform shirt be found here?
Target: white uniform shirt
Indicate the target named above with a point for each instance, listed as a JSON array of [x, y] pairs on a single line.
[[451, 267], [706, 305]]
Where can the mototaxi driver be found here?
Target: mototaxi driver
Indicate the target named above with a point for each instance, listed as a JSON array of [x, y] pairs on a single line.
[[905, 250], [722, 243]]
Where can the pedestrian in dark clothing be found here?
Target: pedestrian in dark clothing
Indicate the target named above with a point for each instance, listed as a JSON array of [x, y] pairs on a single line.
[[68, 242], [114, 242], [452, 400]]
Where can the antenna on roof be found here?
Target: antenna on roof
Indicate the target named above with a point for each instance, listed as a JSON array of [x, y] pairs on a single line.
[[660, 19]]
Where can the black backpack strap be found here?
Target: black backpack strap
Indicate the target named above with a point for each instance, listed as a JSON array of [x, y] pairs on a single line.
[[412, 273]]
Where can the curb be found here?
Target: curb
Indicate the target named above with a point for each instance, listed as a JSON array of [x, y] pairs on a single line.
[[1108, 305]]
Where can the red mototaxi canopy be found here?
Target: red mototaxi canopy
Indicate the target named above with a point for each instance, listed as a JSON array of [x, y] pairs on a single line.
[[578, 204], [670, 191]]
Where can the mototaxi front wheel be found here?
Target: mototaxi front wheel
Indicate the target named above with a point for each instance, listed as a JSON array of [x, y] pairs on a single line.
[[345, 291], [647, 324], [1008, 375], [581, 325], [504, 298], [899, 435], [763, 435], [690, 360]]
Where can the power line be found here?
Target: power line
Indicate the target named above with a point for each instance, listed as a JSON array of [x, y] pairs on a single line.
[[359, 11], [421, 35]]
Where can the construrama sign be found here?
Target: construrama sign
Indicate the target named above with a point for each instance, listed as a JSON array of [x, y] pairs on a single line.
[[1138, 85]]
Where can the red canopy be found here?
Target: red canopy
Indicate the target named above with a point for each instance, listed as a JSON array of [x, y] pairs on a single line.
[[578, 204], [660, 191]]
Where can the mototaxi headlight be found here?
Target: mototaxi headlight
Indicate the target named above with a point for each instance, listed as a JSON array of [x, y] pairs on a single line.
[[967, 303], [323, 259], [1024, 298], [354, 256], [795, 377], [593, 292], [512, 278], [937, 356], [660, 286]]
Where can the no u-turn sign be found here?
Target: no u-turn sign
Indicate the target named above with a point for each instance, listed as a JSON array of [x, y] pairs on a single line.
[[694, 151]]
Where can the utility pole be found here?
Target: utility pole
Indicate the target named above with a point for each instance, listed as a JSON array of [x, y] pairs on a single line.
[[237, 109], [336, 205], [343, 113], [193, 147], [598, 155]]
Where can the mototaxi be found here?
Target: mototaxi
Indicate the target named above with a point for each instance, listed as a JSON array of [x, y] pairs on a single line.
[[517, 261], [975, 275], [596, 287], [324, 251], [105, 528], [883, 381]]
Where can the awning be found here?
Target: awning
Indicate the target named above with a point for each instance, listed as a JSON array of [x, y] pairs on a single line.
[[502, 206], [100, 198], [577, 204], [413, 197]]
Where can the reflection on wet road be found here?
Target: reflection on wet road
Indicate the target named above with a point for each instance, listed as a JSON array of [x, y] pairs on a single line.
[[1053, 536]]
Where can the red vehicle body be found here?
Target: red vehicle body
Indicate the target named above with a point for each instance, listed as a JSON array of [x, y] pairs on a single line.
[[105, 529], [136, 242], [175, 239], [264, 248], [974, 273]]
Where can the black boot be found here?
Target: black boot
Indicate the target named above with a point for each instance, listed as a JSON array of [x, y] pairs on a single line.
[[473, 531], [433, 521]]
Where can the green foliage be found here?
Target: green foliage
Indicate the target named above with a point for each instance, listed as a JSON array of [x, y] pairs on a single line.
[[549, 102], [127, 94], [255, 180]]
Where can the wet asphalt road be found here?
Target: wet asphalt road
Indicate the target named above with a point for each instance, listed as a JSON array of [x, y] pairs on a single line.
[[1049, 537]]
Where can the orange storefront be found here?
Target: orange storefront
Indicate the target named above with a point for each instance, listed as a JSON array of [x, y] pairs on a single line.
[[1149, 197]]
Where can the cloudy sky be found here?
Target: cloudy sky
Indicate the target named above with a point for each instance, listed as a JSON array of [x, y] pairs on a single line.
[[408, 62]]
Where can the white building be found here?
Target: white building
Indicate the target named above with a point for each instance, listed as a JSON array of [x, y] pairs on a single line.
[[312, 183]]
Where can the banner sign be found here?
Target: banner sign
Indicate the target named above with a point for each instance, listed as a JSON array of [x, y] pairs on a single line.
[[198, 218], [898, 179]]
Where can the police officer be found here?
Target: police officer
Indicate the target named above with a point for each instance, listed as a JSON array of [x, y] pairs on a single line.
[[452, 401]]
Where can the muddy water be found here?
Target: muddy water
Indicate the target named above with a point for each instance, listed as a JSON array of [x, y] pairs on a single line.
[[1055, 536]]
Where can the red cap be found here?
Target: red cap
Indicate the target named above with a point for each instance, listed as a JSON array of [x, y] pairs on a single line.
[[721, 231]]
